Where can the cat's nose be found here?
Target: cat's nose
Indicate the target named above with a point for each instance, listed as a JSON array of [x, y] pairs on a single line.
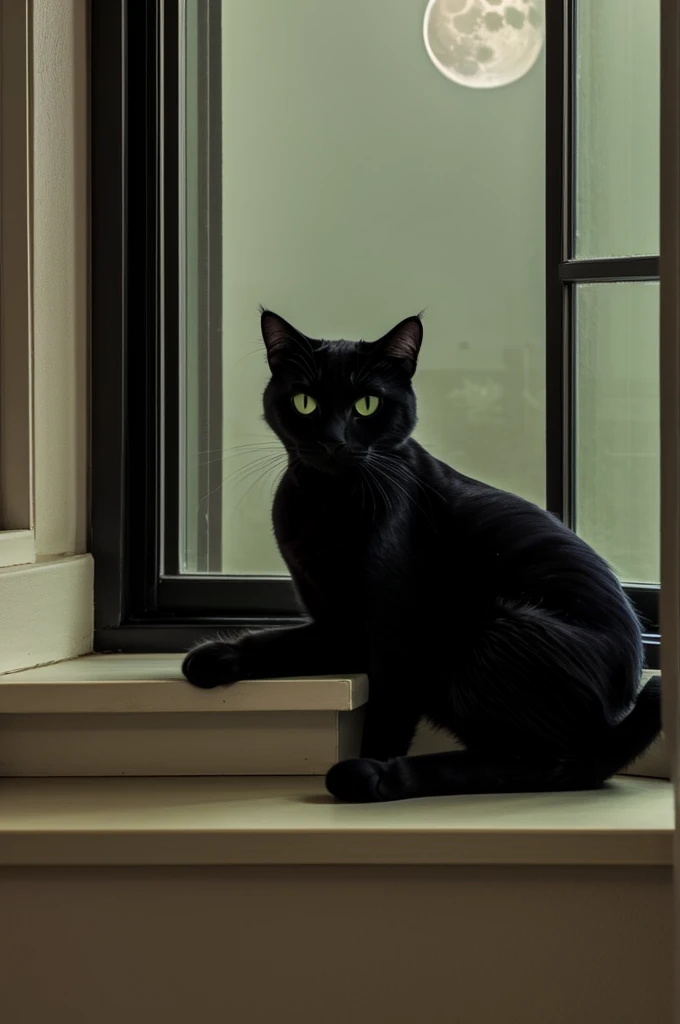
[[332, 446]]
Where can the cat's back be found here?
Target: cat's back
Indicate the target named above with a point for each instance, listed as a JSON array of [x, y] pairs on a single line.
[[500, 546]]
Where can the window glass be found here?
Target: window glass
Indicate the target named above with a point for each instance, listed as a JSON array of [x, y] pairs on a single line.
[[357, 185], [617, 396], [617, 128]]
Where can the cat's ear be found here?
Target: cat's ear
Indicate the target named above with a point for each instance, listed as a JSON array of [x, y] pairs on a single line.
[[280, 338], [403, 343]]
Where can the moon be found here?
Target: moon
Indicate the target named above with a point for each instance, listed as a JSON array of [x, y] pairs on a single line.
[[484, 43]]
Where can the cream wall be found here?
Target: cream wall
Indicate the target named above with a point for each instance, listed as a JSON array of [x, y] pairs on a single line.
[[337, 945]]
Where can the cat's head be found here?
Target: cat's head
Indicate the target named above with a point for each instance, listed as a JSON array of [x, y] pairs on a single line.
[[332, 402]]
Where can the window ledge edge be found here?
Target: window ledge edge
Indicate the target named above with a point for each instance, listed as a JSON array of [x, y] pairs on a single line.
[[268, 821]]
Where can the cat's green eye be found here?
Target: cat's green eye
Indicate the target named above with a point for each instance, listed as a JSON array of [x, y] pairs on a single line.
[[304, 404], [367, 405]]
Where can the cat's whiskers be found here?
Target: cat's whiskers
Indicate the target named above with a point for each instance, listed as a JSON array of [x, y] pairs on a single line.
[[373, 475], [264, 472], [231, 447], [399, 479], [271, 447], [365, 478], [402, 467], [264, 462]]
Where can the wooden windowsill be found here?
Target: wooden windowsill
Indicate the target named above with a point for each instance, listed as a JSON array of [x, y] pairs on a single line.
[[133, 683], [101, 684], [135, 715], [223, 821], [218, 818]]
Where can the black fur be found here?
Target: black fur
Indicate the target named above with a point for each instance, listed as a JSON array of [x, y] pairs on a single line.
[[466, 605]]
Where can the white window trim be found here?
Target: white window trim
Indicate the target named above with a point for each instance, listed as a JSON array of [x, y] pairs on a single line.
[[17, 547], [17, 535], [46, 593], [669, 366]]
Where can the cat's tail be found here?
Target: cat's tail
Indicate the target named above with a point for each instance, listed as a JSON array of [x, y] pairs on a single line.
[[635, 733], [465, 771]]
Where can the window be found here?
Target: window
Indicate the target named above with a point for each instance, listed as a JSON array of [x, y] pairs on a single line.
[[283, 191], [603, 292], [263, 153], [17, 539]]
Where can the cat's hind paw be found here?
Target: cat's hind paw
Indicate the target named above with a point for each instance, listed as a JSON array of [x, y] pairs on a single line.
[[358, 781]]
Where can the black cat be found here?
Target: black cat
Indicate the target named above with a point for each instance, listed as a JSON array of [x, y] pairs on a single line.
[[466, 605]]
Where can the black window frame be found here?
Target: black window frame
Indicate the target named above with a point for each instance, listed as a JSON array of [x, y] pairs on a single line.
[[140, 605], [142, 602], [563, 272]]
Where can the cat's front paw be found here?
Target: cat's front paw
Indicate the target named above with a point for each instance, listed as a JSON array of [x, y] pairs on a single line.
[[358, 781], [215, 663]]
